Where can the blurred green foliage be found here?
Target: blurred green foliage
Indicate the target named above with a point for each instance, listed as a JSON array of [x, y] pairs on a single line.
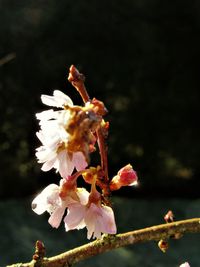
[[140, 57]]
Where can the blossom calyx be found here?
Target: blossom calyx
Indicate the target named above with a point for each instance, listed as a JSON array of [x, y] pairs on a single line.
[[99, 107], [91, 174], [126, 176]]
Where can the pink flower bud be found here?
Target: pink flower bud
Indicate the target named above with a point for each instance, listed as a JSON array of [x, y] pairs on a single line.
[[126, 176]]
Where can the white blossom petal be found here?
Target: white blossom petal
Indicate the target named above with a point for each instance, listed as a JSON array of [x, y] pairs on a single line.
[[46, 115], [56, 216], [58, 99], [48, 165], [63, 98], [40, 203], [91, 218], [44, 154], [98, 220], [75, 217], [109, 225], [65, 166], [83, 195]]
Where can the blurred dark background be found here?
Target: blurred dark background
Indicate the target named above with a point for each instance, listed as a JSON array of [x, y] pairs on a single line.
[[140, 57]]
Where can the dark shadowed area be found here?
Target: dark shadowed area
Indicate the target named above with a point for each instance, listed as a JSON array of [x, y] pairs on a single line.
[[141, 58]]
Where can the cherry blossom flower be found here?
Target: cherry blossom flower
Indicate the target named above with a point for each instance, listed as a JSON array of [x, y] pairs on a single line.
[[83, 210], [54, 137], [55, 203], [126, 176], [96, 217], [49, 200]]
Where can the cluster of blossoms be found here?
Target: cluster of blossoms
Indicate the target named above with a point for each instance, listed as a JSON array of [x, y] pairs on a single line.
[[68, 135]]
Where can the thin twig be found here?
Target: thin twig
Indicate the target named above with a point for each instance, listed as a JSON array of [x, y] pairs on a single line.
[[107, 243], [103, 153], [77, 79]]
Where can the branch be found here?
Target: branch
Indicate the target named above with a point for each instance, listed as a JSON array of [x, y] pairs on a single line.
[[107, 243]]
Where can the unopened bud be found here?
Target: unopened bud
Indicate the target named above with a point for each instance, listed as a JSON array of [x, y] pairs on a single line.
[[169, 217], [163, 245], [99, 107], [39, 250], [126, 176], [75, 75]]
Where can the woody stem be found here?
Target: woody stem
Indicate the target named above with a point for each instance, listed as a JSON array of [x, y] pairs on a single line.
[[77, 80], [103, 153]]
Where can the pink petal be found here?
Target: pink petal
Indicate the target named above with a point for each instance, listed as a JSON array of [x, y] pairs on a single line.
[[48, 165], [79, 161], [108, 219], [99, 219], [92, 221], [65, 166], [74, 218], [56, 217]]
